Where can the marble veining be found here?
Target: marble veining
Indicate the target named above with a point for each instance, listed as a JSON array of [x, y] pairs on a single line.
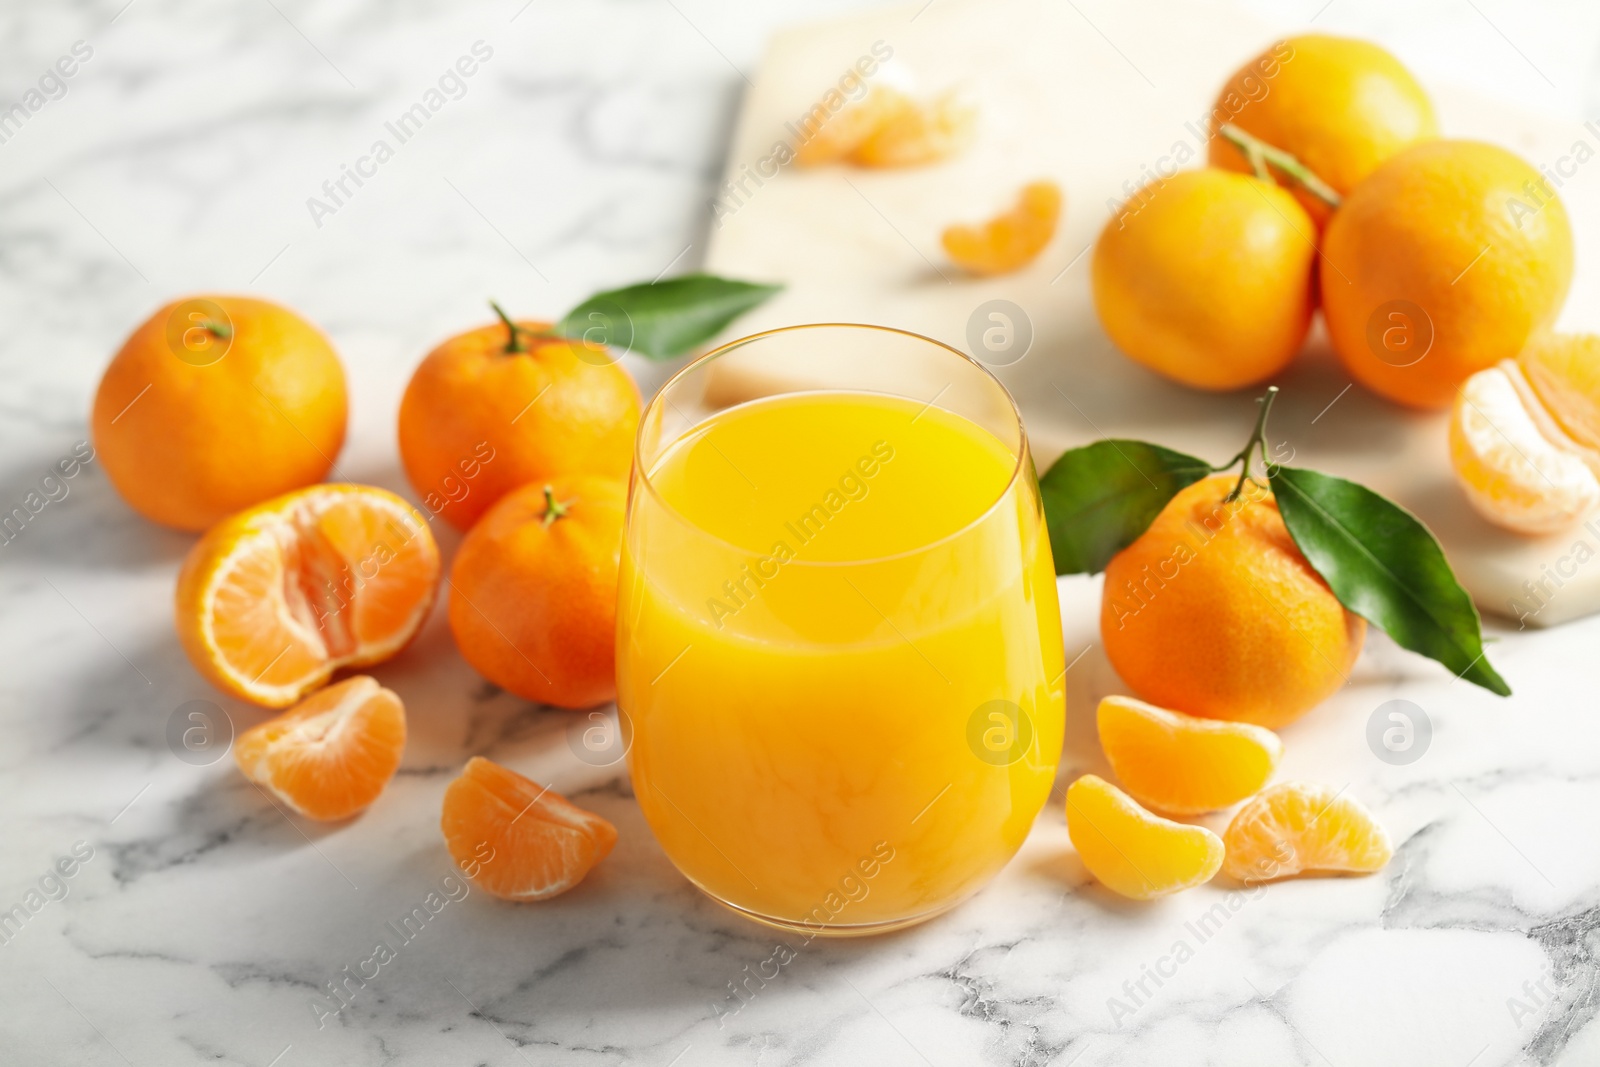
[[206, 926]]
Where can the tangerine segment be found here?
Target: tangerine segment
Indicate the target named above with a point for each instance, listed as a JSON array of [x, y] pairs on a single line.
[[1010, 240], [1181, 764], [273, 600], [1515, 462], [330, 755], [920, 133], [842, 132], [1131, 851], [1298, 826], [1564, 373], [518, 840]]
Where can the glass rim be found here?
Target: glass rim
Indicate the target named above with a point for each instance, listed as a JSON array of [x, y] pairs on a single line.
[[652, 407]]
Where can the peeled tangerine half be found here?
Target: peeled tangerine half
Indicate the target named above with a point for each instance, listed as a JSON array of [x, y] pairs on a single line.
[[842, 132], [330, 755], [1181, 764], [1011, 240], [1297, 827], [1525, 436], [516, 839], [924, 132], [1131, 851], [273, 600]]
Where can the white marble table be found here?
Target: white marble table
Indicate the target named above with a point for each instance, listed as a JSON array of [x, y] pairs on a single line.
[[200, 925]]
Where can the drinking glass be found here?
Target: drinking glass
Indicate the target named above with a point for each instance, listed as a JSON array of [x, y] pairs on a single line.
[[839, 652]]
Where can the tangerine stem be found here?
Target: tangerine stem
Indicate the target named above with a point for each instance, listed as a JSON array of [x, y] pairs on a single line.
[[1258, 162], [553, 508], [1256, 151], [513, 331], [1258, 441], [220, 330]]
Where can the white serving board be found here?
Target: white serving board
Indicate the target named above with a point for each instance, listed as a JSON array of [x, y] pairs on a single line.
[[1092, 94]]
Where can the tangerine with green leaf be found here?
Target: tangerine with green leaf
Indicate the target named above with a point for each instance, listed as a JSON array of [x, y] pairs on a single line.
[[1234, 597], [498, 407], [504, 405], [1214, 611]]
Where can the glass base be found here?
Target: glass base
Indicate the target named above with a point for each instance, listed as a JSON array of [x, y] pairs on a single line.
[[840, 930]]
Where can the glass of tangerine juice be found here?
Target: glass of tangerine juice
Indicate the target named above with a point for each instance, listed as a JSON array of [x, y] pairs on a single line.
[[839, 654]]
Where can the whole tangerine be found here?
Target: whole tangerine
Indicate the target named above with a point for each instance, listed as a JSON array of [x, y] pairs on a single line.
[[1450, 258], [502, 406], [1206, 278], [533, 591], [1214, 611], [215, 404], [1340, 106]]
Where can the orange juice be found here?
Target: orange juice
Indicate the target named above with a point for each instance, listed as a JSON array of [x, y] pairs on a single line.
[[840, 657]]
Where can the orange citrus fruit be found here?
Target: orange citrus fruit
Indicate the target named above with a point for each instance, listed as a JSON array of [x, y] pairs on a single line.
[[1444, 262], [1296, 827], [1012, 239], [1131, 851], [275, 599], [486, 413], [533, 591], [1214, 611], [920, 132], [518, 840], [330, 755], [1525, 436], [842, 132], [1340, 106], [1206, 277], [216, 403], [1563, 372], [1181, 764]]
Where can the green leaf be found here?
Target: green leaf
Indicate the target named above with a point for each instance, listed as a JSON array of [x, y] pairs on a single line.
[[663, 319], [1384, 565], [1099, 498]]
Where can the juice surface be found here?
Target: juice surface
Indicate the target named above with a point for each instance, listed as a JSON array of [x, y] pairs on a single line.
[[751, 475], [840, 654]]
